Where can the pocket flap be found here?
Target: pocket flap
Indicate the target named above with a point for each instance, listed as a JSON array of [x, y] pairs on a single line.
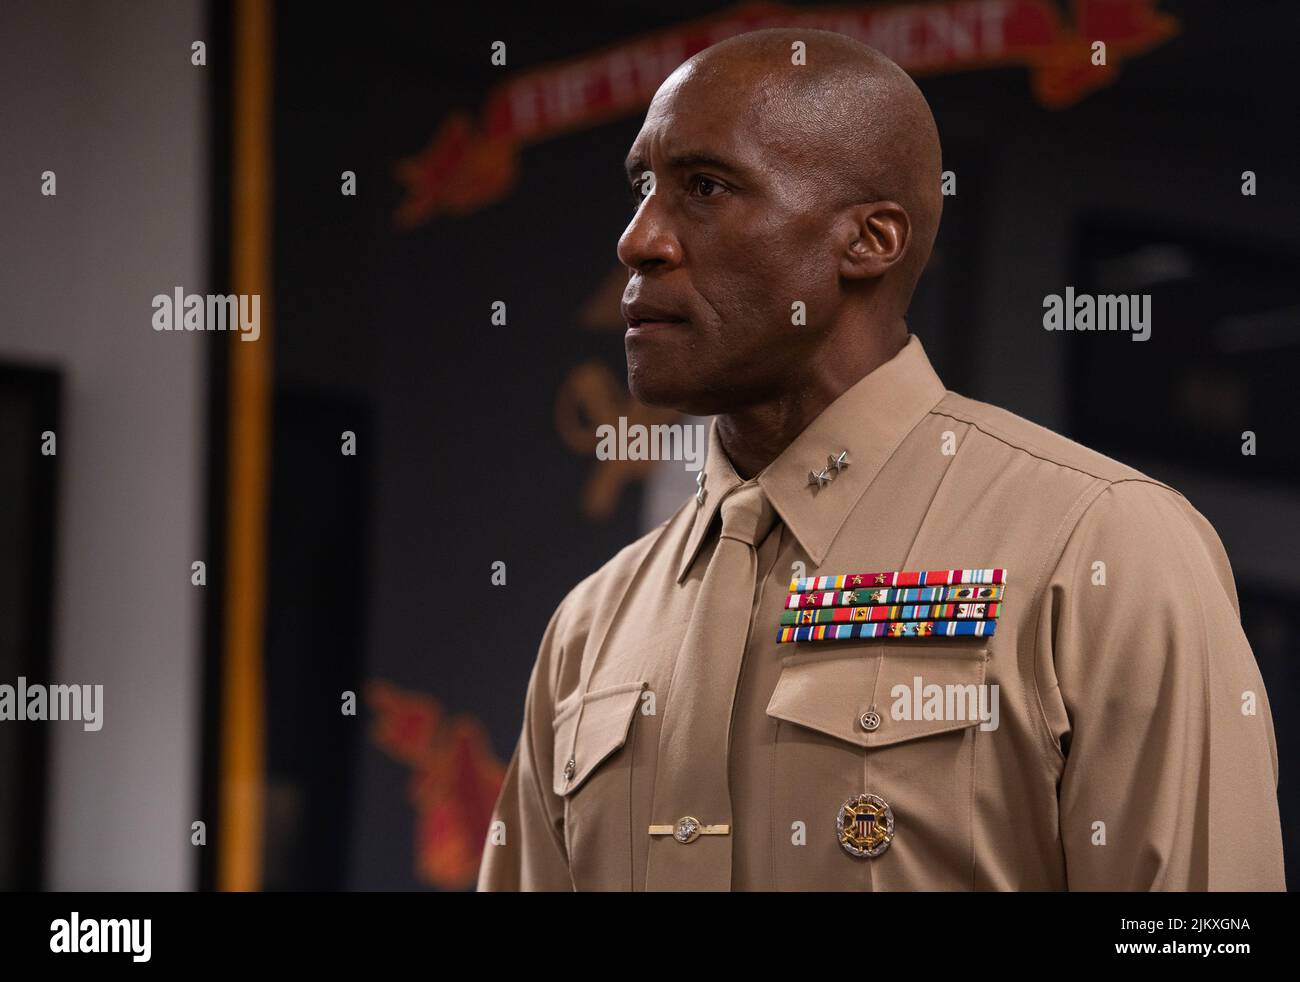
[[584, 739], [923, 688]]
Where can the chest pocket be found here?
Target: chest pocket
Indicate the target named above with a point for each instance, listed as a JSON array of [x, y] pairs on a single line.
[[593, 773], [583, 740], [917, 753]]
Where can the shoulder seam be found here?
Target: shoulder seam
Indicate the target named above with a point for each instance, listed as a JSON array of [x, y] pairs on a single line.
[[1053, 557], [1032, 452]]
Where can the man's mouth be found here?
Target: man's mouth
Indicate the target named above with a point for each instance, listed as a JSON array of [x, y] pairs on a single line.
[[653, 324], [642, 317]]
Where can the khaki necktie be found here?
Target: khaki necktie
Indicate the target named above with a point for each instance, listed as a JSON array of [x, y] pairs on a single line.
[[692, 823]]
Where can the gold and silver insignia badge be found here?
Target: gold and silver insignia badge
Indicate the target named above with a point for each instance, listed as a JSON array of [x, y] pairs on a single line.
[[865, 825]]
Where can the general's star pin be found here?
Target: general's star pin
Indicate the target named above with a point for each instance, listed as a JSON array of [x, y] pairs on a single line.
[[820, 478], [865, 825]]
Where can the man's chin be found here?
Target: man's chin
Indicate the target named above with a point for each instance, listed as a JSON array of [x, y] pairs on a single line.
[[665, 391]]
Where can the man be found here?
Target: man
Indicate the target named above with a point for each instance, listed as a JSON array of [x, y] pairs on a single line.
[[1005, 661]]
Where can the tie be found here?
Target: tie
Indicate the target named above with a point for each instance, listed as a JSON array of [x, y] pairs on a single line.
[[692, 796]]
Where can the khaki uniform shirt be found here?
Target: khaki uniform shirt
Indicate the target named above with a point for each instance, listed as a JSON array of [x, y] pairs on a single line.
[[1134, 746]]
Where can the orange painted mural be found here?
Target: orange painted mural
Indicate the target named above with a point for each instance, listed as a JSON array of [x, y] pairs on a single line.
[[454, 783], [470, 163]]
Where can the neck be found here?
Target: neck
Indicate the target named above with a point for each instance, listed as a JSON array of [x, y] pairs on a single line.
[[755, 435]]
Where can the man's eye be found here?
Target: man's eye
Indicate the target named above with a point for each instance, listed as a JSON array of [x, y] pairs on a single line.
[[706, 186]]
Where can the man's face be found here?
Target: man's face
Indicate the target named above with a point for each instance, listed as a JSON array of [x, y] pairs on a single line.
[[731, 237]]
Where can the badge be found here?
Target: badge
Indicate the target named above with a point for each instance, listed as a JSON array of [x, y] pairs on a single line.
[[865, 825]]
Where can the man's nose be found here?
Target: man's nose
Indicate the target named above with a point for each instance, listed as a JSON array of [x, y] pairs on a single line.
[[649, 242]]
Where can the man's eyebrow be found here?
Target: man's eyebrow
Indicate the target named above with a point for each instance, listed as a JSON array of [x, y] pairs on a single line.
[[687, 161]]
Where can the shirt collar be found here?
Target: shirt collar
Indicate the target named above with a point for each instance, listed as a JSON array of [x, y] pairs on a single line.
[[869, 420]]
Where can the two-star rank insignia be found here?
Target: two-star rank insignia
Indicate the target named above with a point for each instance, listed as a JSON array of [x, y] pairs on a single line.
[[907, 604]]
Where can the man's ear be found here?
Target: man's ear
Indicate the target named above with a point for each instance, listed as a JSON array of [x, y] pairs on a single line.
[[874, 239]]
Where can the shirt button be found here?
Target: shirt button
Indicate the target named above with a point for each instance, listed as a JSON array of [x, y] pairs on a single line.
[[870, 720]]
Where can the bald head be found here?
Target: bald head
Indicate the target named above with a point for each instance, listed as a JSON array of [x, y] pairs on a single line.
[[848, 116], [787, 196]]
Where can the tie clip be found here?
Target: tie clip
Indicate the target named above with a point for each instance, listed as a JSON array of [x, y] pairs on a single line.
[[688, 829]]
